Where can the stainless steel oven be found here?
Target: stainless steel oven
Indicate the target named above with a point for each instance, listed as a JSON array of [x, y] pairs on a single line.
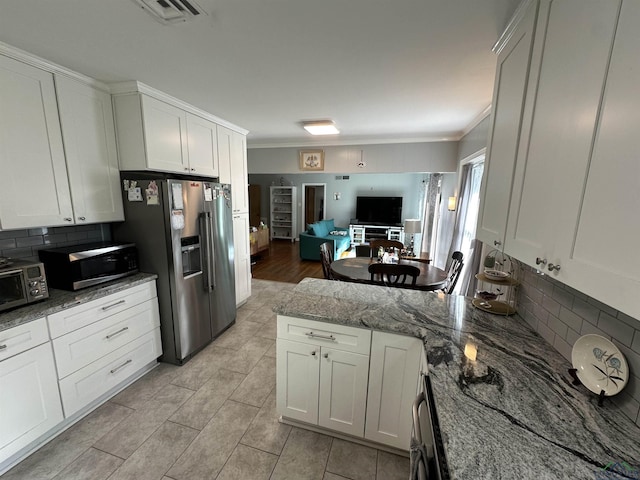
[[21, 282], [428, 460]]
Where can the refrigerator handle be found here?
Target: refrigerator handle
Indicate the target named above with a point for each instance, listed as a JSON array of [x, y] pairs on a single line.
[[205, 221], [211, 250]]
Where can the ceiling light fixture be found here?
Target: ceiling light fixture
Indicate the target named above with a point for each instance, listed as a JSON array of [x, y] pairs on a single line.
[[321, 127]]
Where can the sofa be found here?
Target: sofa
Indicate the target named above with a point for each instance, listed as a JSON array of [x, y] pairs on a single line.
[[320, 232]]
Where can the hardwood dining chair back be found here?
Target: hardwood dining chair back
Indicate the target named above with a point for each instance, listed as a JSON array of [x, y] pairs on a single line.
[[453, 273], [363, 251], [384, 243], [393, 274], [326, 257]]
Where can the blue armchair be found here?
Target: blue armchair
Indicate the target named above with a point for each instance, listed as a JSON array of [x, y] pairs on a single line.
[[320, 232]]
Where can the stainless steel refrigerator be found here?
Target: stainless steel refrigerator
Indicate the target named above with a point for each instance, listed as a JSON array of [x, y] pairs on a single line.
[[184, 234]]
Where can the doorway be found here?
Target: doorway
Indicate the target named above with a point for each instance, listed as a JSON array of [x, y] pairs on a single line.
[[313, 202]]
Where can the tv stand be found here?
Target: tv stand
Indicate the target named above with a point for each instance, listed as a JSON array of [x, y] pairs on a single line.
[[363, 233]]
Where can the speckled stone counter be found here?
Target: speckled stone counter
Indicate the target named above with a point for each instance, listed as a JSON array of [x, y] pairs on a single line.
[[513, 413], [61, 299]]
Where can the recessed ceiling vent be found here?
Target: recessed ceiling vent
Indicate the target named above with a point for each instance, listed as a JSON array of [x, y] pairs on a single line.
[[171, 11]]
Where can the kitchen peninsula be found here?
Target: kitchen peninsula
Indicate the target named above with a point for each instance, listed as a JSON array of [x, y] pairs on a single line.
[[511, 413]]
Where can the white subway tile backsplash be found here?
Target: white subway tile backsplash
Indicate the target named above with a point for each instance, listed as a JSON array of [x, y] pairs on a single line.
[[546, 333], [635, 345], [586, 310], [26, 243], [563, 297], [617, 329], [572, 319], [563, 347], [557, 326], [551, 306], [561, 315]]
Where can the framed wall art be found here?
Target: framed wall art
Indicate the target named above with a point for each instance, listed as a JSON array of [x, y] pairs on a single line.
[[312, 160]]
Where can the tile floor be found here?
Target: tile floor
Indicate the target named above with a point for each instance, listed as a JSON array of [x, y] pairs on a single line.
[[213, 418]]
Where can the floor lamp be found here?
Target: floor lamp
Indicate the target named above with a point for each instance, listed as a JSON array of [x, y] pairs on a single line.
[[412, 226]]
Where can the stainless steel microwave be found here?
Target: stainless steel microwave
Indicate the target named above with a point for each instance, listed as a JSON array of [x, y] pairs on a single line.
[[21, 282], [80, 266]]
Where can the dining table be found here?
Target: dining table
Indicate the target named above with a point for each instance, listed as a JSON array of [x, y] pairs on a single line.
[[356, 269]]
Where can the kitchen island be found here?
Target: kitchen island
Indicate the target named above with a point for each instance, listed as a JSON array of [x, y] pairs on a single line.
[[511, 413]]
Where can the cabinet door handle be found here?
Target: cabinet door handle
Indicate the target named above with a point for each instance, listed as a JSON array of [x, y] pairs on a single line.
[[193, 169], [324, 337], [326, 355], [111, 335], [541, 261], [68, 219], [313, 353], [114, 370], [82, 218], [497, 243], [113, 305], [3, 347], [553, 267]]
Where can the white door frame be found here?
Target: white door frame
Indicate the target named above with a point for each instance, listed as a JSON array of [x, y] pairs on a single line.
[[304, 196]]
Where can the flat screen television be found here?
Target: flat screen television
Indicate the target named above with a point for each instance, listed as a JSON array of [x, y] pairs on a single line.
[[379, 210]]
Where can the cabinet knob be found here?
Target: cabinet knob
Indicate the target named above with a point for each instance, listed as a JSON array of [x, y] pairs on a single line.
[[313, 353], [82, 218], [553, 267], [68, 219], [541, 261], [326, 355], [193, 169], [186, 169], [497, 243]]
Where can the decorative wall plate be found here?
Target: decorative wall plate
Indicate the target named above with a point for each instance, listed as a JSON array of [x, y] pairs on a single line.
[[496, 274], [600, 366]]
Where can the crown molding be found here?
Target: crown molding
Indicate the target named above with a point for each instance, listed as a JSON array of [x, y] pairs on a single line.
[[517, 17], [476, 121], [133, 86], [302, 143], [46, 65]]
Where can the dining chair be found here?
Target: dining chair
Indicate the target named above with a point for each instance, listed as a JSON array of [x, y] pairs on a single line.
[[384, 243], [393, 274], [453, 273], [363, 251], [326, 257]]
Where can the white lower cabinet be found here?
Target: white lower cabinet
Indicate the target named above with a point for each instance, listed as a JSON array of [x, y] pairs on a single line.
[[242, 257], [348, 379], [393, 376], [30, 402], [101, 343], [322, 380]]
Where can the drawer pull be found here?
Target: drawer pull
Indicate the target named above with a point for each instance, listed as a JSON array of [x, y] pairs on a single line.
[[111, 335], [121, 366], [108, 307], [324, 337], [3, 347]]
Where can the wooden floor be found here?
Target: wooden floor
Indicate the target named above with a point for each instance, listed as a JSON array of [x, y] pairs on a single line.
[[282, 263]]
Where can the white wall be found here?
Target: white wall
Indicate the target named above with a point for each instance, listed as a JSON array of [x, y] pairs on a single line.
[[382, 158]]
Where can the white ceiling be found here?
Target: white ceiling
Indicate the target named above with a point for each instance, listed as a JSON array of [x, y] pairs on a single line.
[[381, 69]]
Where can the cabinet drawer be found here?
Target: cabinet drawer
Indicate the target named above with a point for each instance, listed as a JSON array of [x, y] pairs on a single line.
[[73, 318], [340, 337], [23, 337], [85, 345], [82, 387]]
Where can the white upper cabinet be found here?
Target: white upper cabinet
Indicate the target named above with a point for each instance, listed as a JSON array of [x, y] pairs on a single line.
[[598, 251], [508, 104], [34, 188], [90, 148], [160, 135], [560, 121]]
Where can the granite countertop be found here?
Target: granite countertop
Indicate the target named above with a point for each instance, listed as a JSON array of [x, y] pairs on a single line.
[[61, 299], [511, 413]]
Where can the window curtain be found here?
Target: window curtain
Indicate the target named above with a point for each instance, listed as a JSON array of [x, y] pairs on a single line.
[[465, 225]]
